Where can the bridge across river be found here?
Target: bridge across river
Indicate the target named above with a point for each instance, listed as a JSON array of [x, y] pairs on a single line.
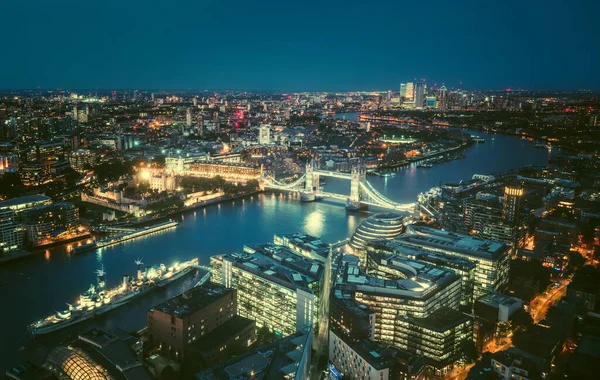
[[362, 193]]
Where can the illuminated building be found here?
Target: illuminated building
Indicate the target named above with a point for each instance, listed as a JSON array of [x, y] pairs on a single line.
[[492, 315], [229, 171], [430, 102], [439, 337], [9, 163], [492, 257], [512, 203], [419, 94], [98, 355], [188, 117], [381, 253], [276, 287], [23, 203], [409, 96], [82, 158], [44, 221], [305, 245], [413, 309], [12, 233], [45, 150], [384, 226], [264, 135], [187, 317], [364, 359]]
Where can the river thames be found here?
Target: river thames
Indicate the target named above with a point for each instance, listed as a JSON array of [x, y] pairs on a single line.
[[39, 285]]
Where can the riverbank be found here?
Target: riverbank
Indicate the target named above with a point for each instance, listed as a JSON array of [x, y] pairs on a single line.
[[200, 205], [25, 253], [426, 156]]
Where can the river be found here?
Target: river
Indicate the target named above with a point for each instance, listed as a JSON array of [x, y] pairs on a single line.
[[40, 284]]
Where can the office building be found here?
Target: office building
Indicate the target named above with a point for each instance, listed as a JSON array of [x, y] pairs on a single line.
[[19, 204], [276, 287], [431, 102], [492, 257], [363, 359], [389, 251], [264, 135], [285, 359], [409, 96], [233, 336], [9, 163], [415, 311], [305, 245], [186, 318], [80, 159], [12, 232], [419, 94], [384, 226], [439, 337]]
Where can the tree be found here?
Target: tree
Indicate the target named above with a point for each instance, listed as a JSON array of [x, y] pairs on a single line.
[[11, 185], [521, 319]]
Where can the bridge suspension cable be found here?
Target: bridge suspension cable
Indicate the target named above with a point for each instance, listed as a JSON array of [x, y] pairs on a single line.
[[272, 182], [381, 200]]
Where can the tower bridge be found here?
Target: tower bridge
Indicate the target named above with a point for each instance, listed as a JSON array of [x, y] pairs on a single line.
[[362, 193]]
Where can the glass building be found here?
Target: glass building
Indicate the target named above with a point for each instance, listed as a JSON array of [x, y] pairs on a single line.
[[276, 287]]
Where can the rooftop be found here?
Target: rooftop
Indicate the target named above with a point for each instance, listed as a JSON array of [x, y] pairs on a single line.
[[193, 300], [497, 299], [306, 242], [436, 239], [223, 333], [273, 361], [441, 320], [279, 264], [9, 203]]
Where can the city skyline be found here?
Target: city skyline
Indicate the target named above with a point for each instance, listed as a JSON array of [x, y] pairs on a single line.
[[283, 47]]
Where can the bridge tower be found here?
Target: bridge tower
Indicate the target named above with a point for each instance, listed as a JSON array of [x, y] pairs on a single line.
[[311, 186], [357, 177]]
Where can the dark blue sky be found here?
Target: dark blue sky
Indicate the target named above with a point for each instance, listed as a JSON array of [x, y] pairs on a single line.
[[299, 45]]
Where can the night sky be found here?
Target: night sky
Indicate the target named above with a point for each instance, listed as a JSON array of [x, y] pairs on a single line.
[[325, 45]]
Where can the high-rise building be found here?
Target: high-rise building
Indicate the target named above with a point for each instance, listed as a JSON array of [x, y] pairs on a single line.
[[512, 203], [419, 94], [188, 117], [443, 97], [81, 158], [264, 134], [430, 102], [277, 288], [409, 93]]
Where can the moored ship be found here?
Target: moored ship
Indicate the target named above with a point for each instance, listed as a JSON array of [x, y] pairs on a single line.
[[98, 299]]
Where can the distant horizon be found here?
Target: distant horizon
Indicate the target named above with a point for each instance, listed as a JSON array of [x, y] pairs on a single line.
[[279, 91], [332, 46]]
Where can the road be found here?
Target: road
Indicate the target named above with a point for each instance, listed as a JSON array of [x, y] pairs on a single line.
[[320, 342], [541, 304]]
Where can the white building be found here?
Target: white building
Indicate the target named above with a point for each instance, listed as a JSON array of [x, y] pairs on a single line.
[[264, 135]]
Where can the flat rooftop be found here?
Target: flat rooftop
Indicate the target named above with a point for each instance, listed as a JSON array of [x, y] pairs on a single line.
[[306, 242], [193, 300], [497, 299], [13, 202], [279, 264], [223, 333], [441, 320], [424, 279], [436, 239]]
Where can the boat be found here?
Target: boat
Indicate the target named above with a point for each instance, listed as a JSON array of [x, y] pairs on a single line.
[[425, 166], [123, 237], [99, 299], [384, 174]]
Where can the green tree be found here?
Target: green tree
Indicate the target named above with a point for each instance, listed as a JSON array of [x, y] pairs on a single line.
[[11, 185]]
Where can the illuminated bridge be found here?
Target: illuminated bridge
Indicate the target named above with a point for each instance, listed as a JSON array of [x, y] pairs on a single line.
[[362, 193]]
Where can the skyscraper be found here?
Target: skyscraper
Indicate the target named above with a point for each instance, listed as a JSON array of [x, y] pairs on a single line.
[[409, 93], [188, 117], [512, 203], [443, 95], [419, 94]]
